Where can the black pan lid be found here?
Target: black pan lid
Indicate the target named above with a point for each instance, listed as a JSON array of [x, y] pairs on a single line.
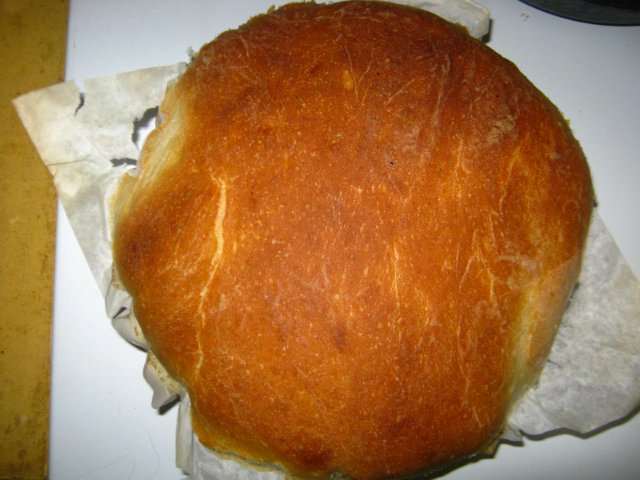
[[602, 12]]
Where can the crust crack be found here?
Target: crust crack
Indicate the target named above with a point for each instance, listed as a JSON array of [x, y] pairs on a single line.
[[514, 158], [396, 276], [218, 231]]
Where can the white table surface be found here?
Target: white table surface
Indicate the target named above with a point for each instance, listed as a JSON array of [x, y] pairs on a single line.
[[103, 426]]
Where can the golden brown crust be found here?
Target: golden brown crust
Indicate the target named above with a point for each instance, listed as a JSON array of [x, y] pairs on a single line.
[[352, 238]]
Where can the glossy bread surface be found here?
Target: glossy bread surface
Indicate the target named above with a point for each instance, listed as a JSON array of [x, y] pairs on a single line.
[[352, 238]]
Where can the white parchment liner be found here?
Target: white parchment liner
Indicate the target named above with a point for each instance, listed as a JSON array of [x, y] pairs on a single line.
[[86, 139]]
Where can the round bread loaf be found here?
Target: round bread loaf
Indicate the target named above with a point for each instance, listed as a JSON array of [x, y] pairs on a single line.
[[352, 239]]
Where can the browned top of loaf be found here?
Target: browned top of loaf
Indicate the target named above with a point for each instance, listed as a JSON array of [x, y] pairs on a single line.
[[352, 238]]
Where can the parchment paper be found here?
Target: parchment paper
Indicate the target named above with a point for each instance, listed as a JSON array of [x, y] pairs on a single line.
[[87, 139]]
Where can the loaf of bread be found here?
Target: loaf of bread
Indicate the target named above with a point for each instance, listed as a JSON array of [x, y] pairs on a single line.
[[352, 239]]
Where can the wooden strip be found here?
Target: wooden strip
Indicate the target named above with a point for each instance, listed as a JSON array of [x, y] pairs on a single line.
[[33, 48]]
